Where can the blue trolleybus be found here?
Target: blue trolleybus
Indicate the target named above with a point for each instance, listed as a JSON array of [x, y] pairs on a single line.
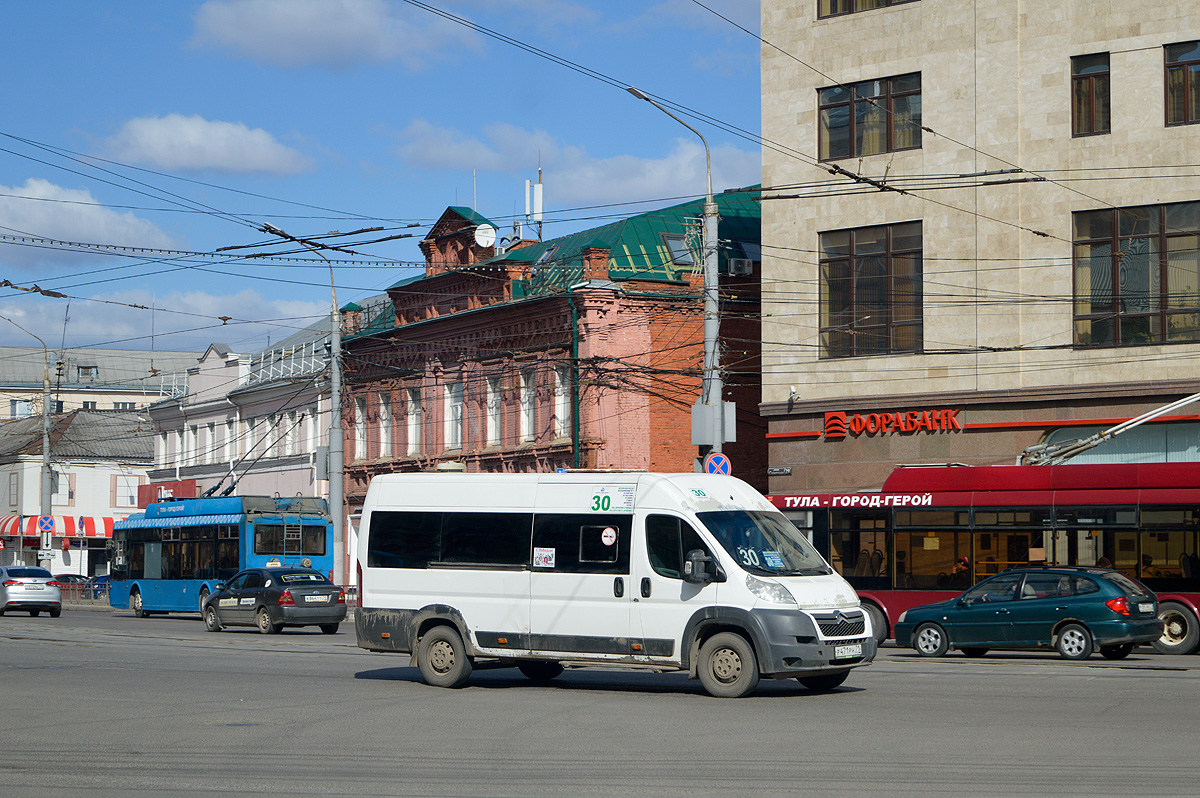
[[170, 557]]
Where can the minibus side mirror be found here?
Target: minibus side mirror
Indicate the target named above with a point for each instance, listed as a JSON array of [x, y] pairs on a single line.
[[695, 568]]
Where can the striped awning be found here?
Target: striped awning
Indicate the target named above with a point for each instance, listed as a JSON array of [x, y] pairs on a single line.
[[70, 526]]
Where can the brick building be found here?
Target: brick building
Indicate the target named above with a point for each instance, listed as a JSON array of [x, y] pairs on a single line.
[[580, 352]]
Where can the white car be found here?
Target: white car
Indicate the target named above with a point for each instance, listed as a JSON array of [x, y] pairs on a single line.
[[29, 589]]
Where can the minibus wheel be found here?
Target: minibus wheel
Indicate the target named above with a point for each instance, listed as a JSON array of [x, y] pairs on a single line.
[[442, 658], [728, 668], [540, 670]]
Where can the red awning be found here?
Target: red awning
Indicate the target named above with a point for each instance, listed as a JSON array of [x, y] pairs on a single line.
[[71, 526]]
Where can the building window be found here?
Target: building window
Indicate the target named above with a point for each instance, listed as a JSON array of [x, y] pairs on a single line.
[[124, 490], [88, 372], [180, 448], [360, 428], [871, 291], [91, 405], [679, 250], [562, 402], [293, 432], [385, 425], [1137, 275], [193, 445], [495, 409], [528, 404], [1183, 83], [454, 415], [14, 493], [1089, 95], [247, 437], [19, 408], [123, 406], [56, 405], [230, 441], [163, 452], [63, 486], [414, 421], [870, 117], [834, 8]]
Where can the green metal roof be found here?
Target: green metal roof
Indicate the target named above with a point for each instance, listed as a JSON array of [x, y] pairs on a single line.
[[637, 249]]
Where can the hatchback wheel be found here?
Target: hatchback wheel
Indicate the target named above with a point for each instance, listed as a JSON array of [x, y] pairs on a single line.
[[1074, 642], [930, 640]]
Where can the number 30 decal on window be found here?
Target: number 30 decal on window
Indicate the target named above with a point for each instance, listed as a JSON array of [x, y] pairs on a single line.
[[601, 503], [748, 556]]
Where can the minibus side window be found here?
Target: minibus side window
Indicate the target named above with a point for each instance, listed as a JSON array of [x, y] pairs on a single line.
[[668, 540], [578, 542], [403, 539], [486, 538]]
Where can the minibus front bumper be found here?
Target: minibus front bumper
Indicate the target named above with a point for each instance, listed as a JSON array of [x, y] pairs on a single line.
[[795, 642]]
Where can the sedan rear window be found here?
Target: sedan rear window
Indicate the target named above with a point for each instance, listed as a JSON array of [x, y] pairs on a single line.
[[30, 573], [1128, 585], [302, 576]]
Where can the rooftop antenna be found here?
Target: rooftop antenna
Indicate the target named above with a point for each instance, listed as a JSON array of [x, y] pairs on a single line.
[[536, 216]]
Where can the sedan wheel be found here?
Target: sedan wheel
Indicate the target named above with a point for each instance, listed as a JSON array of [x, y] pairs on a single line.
[[930, 640], [263, 618], [211, 621]]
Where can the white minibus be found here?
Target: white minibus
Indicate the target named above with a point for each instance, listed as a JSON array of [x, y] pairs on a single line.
[[669, 572]]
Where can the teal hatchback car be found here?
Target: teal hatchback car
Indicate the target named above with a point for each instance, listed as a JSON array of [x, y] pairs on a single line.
[[1072, 609]]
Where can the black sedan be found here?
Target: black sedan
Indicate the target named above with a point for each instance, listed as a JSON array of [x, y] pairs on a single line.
[[1071, 609], [272, 598]]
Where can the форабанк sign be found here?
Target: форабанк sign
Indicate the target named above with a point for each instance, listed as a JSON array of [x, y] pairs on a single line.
[[838, 424]]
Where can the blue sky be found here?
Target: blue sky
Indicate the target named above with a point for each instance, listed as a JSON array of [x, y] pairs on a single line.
[[184, 126]]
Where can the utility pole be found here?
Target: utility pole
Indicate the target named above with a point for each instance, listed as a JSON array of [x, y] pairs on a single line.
[[709, 413]]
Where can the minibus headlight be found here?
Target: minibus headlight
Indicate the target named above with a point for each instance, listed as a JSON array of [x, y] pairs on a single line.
[[769, 591]]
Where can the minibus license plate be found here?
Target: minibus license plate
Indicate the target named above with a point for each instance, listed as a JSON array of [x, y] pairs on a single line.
[[853, 650], [315, 599], [1146, 607]]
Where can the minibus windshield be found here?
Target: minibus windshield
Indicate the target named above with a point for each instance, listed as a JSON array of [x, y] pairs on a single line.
[[765, 543]]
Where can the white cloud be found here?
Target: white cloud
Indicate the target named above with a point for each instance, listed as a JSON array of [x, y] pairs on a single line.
[[112, 323], [572, 176], [42, 209], [180, 142], [336, 34]]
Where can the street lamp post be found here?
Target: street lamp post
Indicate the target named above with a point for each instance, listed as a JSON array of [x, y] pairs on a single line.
[[336, 440], [47, 539], [712, 389]]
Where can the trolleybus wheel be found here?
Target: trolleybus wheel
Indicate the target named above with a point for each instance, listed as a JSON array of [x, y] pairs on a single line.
[[443, 659], [727, 666], [879, 625], [135, 604], [1181, 633], [203, 598]]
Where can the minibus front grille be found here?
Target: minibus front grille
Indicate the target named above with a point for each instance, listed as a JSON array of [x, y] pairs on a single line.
[[842, 625]]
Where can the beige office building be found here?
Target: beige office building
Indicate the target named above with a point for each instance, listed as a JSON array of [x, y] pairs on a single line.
[[980, 232]]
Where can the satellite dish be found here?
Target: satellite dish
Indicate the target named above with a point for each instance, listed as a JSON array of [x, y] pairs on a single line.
[[485, 235]]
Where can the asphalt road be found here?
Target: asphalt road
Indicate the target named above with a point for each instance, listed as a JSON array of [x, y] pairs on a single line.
[[103, 704]]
